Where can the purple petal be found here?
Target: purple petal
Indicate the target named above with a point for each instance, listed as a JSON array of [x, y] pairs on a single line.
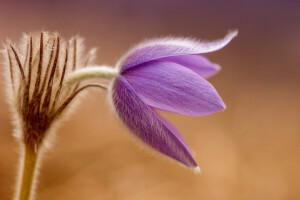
[[166, 47], [175, 131], [170, 87], [147, 125], [198, 64]]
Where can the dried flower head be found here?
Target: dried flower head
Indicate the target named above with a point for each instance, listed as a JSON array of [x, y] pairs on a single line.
[[37, 94]]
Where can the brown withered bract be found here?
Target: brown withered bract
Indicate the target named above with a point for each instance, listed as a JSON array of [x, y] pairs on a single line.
[[36, 90]]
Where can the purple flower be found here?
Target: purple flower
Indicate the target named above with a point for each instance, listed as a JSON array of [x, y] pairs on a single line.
[[166, 74]]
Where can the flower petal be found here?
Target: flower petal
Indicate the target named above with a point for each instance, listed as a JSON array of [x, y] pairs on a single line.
[[175, 131], [147, 125], [166, 47], [198, 64], [169, 86]]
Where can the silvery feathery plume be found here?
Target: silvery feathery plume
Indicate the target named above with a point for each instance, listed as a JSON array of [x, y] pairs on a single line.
[[36, 71], [167, 74]]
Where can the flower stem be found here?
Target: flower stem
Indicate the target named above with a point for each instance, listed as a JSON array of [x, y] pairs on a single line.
[[28, 174], [91, 72]]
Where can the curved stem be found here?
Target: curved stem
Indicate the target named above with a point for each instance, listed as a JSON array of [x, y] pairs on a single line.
[[28, 174], [91, 72]]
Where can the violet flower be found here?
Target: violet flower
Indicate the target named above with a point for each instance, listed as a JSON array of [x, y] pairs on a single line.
[[167, 74]]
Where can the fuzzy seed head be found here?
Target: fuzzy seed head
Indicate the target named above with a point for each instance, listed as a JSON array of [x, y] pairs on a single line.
[[35, 75]]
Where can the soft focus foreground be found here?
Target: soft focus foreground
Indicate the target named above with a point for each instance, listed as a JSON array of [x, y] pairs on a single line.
[[250, 151]]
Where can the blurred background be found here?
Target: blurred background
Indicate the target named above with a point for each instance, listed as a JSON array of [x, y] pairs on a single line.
[[250, 151]]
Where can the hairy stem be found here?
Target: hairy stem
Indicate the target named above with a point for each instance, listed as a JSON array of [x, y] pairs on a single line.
[[91, 72], [28, 174]]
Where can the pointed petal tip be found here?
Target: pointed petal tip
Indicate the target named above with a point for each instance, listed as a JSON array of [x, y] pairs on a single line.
[[220, 107], [197, 170], [223, 106], [219, 44], [232, 33], [217, 67]]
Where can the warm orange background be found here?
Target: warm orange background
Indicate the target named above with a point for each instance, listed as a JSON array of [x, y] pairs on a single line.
[[249, 152]]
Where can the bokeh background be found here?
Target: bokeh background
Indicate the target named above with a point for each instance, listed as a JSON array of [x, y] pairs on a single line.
[[248, 152]]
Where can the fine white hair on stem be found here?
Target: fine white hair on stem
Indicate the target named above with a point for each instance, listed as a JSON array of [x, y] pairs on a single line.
[[103, 72]]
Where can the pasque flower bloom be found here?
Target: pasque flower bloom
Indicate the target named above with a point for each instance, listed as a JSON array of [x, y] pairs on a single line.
[[167, 74]]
